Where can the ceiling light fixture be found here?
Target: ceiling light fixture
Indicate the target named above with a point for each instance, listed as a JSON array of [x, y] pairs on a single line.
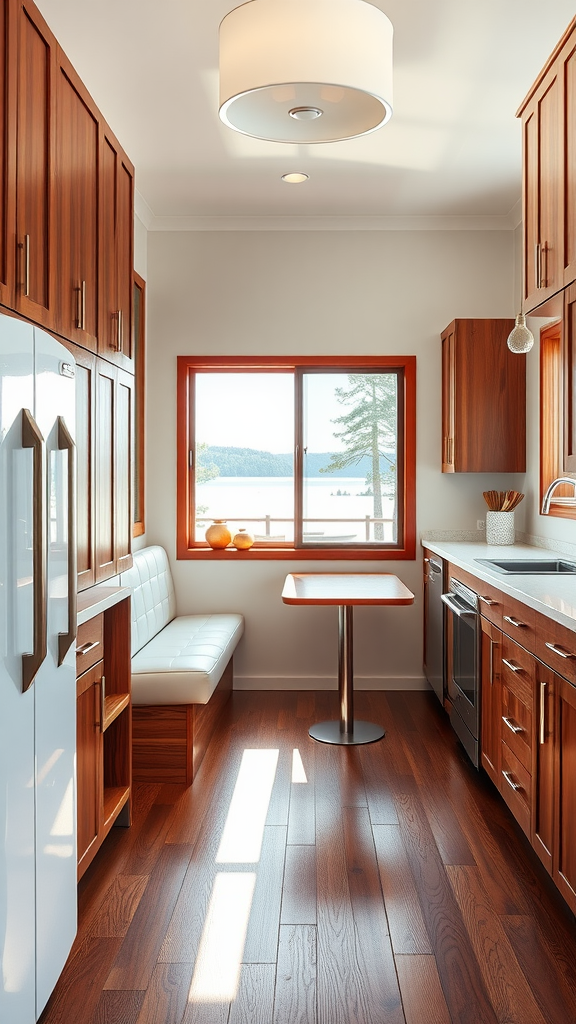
[[295, 177], [305, 71], [520, 338]]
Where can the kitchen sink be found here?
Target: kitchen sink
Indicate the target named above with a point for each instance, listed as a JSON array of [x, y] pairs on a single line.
[[529, 566]]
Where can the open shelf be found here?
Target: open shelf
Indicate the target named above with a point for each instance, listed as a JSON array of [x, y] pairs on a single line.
[[114, 704], [114, 799]]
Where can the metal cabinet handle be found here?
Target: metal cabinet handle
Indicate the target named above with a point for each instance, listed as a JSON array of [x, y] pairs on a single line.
[[514, 622], [26, 265], [560, 651], [486, 600], [102, 702], [512, 724], [65, 443], [538, 264], [508, 776], [87, 647], [119, 330], [81, 310], [542, 713], [511, 665], [32, 438]]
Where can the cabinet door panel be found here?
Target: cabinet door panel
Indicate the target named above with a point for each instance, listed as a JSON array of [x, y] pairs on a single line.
[[565, 858], [543, 815], [116, 251], [34, 168], [551, 189], [569, 361], [570, 165], [123, 473], [125, 263], [76, 210], [89, 759], [105, 470], [491, 728], [7, 155]]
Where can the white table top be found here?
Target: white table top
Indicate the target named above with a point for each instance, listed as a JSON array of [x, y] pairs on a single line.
[[345, 588]]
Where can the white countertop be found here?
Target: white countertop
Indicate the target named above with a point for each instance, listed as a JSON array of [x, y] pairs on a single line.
[[98, 599], [554, 596]]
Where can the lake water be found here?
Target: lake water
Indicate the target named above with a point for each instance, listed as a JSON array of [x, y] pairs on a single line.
[[244, 500]]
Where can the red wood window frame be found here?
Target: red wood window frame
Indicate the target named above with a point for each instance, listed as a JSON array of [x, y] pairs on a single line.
[[553, 370], [405, 366]]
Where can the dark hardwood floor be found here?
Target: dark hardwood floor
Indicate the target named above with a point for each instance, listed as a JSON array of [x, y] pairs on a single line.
[[385, 884]]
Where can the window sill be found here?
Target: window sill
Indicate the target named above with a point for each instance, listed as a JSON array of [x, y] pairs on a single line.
[[230, 554], [558, 511]]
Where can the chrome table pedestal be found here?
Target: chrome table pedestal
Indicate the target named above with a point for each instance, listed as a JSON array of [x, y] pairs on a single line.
[[345, 590]]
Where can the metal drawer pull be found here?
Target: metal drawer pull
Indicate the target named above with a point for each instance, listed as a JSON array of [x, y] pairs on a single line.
[[559, 651], [87, 647], [513, 621], [486, 600], [508, 776], [511, 665], [512, 724], [542, 713]]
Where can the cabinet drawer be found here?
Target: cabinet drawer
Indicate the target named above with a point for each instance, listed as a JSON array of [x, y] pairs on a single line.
[[556, 646], [517, 727], [519, 622], [516, 787], [518, 671], [89, 644]]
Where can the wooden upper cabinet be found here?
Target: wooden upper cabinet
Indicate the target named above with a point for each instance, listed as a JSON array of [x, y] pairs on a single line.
[[569, 377], [549, 176], [7, 153], [35, 293], [116, 251], [483, 399], [76, 186]]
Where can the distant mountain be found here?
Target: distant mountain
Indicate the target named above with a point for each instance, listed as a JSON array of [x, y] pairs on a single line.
[[251, 462]]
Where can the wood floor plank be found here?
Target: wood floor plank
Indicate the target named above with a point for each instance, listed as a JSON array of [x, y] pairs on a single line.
[[207, 1013], [118, 1007], [263, 927], [255, 1000], [405, 921], [338, 776], [422, 995], [138, 954], [299, 888], [460, 976], [119, 906], [553, 987], [508, 989], [166, 997], [77, 993], [302, 810], [295, 995], [211, 787]]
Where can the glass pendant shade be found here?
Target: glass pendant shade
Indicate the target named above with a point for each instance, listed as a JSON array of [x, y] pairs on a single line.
[[520, 338], [305, 71]]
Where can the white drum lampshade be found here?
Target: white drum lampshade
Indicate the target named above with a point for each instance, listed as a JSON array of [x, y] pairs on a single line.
[[305, 71]]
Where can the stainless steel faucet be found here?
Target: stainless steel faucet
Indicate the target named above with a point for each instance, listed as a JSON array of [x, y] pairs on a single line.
[[555, 483]]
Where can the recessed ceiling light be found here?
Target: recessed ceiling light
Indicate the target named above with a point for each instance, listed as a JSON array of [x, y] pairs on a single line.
[[295, 177]]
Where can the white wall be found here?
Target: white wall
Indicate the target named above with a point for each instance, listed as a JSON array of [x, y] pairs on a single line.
[[325, 293]]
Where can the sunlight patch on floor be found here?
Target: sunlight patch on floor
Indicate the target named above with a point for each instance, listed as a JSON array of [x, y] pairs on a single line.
[[241, 841], [298, 772], [219, 960]]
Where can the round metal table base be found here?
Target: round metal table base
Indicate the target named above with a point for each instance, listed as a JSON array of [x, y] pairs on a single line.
[[330, 732]]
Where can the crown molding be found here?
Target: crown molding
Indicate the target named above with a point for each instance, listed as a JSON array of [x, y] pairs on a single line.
[[328, 223]]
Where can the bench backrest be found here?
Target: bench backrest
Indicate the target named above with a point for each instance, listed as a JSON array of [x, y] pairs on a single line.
[[153, 598]]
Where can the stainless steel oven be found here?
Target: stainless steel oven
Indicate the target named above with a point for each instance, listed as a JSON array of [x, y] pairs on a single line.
[[464, 675]]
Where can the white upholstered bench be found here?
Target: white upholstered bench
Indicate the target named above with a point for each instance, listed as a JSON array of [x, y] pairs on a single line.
[[181, 673]]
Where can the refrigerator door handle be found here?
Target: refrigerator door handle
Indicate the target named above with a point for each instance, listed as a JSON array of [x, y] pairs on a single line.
[[65, 443], [32, 438]]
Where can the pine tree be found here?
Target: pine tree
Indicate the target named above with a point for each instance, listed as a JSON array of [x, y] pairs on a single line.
[[368, 429]]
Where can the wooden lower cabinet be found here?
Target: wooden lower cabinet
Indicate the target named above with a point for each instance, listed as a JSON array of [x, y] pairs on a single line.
[[564, 791], [543, 794], [104, 727]]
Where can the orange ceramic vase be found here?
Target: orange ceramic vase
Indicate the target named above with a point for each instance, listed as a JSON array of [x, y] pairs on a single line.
[[243, 540], [218, 535]]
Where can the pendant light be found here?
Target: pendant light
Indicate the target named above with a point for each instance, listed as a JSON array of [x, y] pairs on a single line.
[[305, 71], [520, 338]]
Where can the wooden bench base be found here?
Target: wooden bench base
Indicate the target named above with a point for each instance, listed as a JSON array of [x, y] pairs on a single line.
[[170, 740]]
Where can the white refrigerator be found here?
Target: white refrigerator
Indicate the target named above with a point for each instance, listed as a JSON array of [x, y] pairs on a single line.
[[37, 667]]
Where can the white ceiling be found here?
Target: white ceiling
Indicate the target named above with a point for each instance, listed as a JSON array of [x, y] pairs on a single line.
[[452, 148]]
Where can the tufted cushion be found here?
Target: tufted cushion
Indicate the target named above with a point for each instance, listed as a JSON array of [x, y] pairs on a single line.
[[184, 662], [153, 600]]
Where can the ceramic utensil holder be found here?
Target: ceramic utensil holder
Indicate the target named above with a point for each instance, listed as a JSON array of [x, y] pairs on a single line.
[[499, 527]]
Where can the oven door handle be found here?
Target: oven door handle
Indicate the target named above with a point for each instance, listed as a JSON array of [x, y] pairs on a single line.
[[462, 613]]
